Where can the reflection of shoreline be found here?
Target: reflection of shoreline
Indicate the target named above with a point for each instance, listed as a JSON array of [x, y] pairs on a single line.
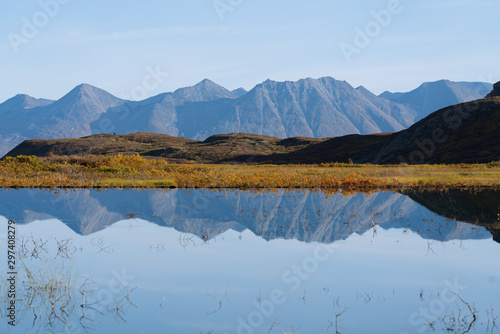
[[302, 215], [480, 208]]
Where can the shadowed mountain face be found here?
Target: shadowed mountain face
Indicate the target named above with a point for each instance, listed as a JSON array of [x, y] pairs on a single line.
[[309, 108], [496, 90], [301, 215]]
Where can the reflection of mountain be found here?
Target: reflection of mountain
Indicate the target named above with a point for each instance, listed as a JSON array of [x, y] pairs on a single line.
[[302, 215], [480, 208]]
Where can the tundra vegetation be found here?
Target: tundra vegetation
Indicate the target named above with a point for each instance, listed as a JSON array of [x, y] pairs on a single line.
[[119, 171]]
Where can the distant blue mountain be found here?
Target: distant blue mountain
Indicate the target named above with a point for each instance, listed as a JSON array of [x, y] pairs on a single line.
[[432, 96], [239, 92]]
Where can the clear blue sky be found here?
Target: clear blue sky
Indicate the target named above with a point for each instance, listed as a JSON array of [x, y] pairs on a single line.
[[111, 44]]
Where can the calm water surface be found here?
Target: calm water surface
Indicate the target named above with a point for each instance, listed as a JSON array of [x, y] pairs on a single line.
[[199, 261]]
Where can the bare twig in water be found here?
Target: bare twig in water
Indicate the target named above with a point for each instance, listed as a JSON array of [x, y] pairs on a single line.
[[99, 243], [38, 246], [337, 319], [374, 226], [118, 310], [338, 315], [291, 330], [259, 299], [220, 305], [331, 324], [493, 321], [429, 248], [161, 304], [186, 238], [65, 248], [272, 326], [472, 310]]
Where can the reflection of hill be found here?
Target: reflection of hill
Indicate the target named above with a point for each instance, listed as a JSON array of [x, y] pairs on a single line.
[[480, 208], [302, 215]]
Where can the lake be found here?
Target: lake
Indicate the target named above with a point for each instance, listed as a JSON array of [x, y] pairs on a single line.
[[203, 261]]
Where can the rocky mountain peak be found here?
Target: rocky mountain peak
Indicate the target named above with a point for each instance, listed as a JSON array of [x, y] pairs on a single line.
[[205, 90]]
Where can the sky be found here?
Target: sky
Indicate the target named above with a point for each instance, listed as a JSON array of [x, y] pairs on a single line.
[[138, 49]]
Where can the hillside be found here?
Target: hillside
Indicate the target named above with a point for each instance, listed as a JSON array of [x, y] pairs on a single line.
[[465, 133], [217, 148]]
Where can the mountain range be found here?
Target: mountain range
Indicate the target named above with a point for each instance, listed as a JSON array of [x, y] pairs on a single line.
[[317, 108], [464, 133]]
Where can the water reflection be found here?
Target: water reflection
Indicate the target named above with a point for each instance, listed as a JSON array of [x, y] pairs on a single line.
[[481, 208], [199, 261], [301, 215]]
